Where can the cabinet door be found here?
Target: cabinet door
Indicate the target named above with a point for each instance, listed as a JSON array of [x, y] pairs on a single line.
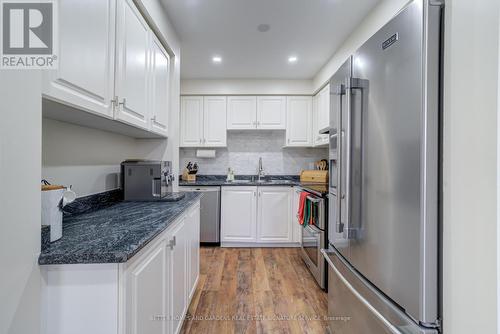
[[193, 219], [241, 112], [271, 112], [296, 227], [238, 214], [214, 121], [191, 120], [85, 77], [160, 87], [323, 115], [273, 222], [145, 294], [132, 66], [299, 121], [315, 113], [178, 259]]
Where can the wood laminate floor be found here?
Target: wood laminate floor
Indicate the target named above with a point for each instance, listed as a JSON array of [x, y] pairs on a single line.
[[255, 290]]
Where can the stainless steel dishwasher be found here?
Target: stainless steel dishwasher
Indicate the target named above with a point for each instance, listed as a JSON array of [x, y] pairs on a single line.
[[209, 212]]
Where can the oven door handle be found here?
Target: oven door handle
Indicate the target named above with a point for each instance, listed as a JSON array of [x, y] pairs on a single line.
[[314, 199], [313, 229]]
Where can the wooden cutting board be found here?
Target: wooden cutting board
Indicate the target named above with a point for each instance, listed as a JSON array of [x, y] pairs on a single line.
[[314, 176]]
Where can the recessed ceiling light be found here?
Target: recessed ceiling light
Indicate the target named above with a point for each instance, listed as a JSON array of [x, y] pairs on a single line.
[[292, 59], [217, 59], [263, 27]]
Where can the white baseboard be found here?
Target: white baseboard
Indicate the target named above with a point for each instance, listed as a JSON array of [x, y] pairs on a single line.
[[260, 245]]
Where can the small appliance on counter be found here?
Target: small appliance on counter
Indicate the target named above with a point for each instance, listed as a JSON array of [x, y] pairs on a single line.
[[54, 198], [189, 173], [146, 180]]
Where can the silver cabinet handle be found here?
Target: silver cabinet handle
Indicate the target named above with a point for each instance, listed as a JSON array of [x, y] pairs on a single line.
[[123, 102], [153, 187], [172, 243], [153, 118], [114, 101], [254, 194]]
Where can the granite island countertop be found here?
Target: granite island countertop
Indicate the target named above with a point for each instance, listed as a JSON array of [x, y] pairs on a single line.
[[113, 234]]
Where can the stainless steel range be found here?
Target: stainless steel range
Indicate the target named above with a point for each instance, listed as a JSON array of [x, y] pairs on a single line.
[[315, 237]]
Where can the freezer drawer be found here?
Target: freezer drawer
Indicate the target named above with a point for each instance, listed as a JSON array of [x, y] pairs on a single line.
[[356, 307]]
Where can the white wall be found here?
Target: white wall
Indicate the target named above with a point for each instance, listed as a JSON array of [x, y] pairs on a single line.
[[244, 148], [20, 156], [89, 159], [379, 16], [245, 87], [470, 136]]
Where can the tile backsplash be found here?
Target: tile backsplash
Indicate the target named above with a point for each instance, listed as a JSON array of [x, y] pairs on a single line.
[[244, 149]]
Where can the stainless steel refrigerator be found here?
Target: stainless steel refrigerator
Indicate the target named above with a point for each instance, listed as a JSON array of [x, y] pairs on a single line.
[[384, 187]]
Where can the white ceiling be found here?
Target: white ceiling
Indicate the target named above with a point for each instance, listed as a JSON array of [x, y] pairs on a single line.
[[310, 29]]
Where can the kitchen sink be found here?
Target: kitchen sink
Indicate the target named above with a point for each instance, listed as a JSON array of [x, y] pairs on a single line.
[[241, 181]]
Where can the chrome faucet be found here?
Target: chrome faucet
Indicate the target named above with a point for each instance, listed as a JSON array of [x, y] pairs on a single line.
[[261, 169]]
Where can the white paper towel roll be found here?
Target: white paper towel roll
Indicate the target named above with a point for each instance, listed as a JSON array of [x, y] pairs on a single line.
[[205, 153], [51, 212]]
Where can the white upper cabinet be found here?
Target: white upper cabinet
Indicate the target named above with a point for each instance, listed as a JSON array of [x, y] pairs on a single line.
[[160, 87], [251, 112], [321, 114], [85, 77], [133, 45], [271, 112], [203, 121], [214, 121], [241, 112], [191, 132], [273, 222], [299, 121]]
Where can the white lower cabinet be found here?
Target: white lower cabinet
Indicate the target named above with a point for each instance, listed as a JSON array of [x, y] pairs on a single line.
[[146, 285], [296, 227], [150, 293], [193, 250], [273, 223], [238, 214], [178, 292], [256, 215]]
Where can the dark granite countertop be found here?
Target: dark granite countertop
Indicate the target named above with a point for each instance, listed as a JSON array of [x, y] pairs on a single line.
[[243, 180], [246, 180], [115, 233]]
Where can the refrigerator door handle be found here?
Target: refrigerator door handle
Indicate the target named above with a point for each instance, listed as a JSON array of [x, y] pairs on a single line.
[[339, 225], [353, 84]]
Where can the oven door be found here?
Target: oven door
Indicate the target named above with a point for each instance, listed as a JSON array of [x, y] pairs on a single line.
[[313, 240]]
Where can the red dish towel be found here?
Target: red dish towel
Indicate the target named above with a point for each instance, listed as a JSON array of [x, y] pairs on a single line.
[[302, 205]]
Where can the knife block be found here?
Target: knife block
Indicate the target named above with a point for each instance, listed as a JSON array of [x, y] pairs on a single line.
[[188, 177]]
